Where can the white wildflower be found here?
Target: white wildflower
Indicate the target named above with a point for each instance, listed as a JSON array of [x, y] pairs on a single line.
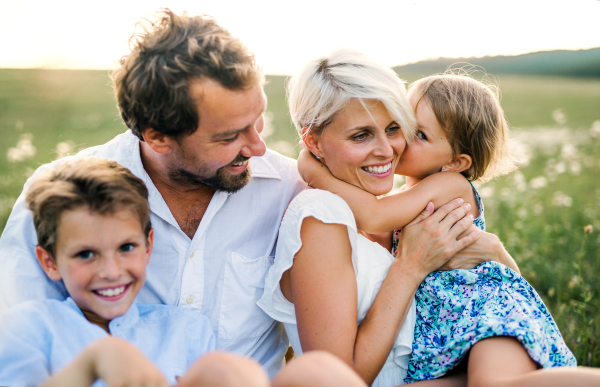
[[595, 129], [575, 167], [23, 150], [64, 149], [486, 192], [538, 182], [268, 128], [560, 199], [522, 212], [283, 147], [560, 168], [538, 208], [559, 116]]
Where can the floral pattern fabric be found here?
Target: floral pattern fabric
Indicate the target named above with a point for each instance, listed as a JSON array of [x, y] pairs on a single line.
[[458, 308]]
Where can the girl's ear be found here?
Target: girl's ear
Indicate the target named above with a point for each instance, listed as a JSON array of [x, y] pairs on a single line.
[[48, 264], [460, 163], [311, 142], [159, 142]]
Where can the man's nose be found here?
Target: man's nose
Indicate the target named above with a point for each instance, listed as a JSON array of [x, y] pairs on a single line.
[[254, 146]]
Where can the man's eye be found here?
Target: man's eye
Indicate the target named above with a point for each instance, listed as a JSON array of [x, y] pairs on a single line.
[[126, 247], [231, 139], [421, 135], [85, 254]]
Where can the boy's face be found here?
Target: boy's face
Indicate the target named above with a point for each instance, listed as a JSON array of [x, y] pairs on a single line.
[[101, 259]]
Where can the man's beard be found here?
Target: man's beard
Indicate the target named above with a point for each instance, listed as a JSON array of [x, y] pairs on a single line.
[[220, 180]]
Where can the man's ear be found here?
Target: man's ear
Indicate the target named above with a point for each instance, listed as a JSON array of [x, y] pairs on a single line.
[[311, 142], [460, 163], [48, 264], [159, 142]]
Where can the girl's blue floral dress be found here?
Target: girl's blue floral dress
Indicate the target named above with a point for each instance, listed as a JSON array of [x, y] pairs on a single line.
[[457, 308]]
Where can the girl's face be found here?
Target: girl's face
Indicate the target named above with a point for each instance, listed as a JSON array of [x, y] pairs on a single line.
[[430, 150], [360, 148]]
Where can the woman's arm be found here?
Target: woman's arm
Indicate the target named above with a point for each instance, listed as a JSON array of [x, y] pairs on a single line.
[[324, 293], [112, 360], [388, 213]]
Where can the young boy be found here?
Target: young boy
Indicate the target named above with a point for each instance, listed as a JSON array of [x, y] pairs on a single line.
[[94, 234], [92, 221]]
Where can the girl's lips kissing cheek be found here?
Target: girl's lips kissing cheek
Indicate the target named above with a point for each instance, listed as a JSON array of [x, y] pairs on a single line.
[[112, 293], [379, 170]]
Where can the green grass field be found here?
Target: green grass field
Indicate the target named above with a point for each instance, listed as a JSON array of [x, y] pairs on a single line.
[[539, 212]]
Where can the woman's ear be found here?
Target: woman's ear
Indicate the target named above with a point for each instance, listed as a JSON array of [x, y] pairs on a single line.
[[460, 163], [159, 142], [48, 263], [311, 142]]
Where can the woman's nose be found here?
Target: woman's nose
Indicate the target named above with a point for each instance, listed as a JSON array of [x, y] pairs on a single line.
[[383, 147]]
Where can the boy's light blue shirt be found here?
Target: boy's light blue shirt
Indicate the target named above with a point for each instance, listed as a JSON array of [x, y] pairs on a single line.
[[39, 338]]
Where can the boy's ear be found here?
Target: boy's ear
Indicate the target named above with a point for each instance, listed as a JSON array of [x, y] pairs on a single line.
[[149, 245], [460, 163], [48, 264], [159, 142], [311, 141]]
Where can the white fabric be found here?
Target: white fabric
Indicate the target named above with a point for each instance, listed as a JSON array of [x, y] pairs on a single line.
[[220, 272], [371, 263]]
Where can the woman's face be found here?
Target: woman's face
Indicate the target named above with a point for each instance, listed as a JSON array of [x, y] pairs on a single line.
[[360, 148]]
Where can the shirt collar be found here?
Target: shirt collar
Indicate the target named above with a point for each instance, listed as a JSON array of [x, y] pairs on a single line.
[[262, 168], [120, 323]]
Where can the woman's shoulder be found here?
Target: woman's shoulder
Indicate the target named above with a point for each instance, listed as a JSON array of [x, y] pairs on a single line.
[[322, 205]]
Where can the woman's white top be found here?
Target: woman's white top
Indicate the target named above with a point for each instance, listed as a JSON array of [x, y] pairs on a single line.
[[371, 263]]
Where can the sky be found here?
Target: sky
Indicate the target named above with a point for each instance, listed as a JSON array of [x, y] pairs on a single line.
[[285, 34]]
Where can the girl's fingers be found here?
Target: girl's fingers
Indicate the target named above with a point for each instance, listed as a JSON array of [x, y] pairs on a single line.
[[426, 213], [446, 209]]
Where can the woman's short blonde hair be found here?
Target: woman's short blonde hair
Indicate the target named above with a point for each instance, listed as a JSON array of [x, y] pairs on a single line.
[[325, 85], [470, 113]]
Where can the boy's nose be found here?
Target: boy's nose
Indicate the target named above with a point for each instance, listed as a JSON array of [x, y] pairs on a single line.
[[111, 268]]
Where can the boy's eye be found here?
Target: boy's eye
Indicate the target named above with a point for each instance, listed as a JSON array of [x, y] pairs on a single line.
[[126, 247], [85, 254], [421, 135]]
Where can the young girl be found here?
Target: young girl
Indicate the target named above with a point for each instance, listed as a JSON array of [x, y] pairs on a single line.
[[460, 128]]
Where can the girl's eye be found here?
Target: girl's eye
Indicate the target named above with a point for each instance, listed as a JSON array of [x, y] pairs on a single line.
[[421, 135], [126, 247], [87, 254]]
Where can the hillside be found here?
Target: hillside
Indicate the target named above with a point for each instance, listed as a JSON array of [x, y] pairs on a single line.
[[581, 63]]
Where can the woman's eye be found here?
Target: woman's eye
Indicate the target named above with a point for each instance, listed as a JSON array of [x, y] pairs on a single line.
[[393, 130], [421, 135], [87, 254], [126, 247], [360, 137]]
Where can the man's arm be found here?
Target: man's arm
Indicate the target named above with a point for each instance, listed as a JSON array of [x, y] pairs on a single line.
[[21, 277]]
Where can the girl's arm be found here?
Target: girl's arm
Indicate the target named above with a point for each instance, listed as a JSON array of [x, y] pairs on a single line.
[[324, 293], [391, 212], [112, 360]]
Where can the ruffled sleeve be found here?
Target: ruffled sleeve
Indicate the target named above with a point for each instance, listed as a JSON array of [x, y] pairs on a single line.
[[322, 205]]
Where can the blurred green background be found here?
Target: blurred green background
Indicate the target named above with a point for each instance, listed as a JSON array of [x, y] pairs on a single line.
[[539, 212]]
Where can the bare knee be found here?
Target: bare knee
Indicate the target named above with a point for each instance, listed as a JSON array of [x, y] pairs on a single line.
[[224, 370], [317, 368]]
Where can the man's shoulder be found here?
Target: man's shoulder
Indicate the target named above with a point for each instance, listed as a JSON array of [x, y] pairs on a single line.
[[275, 166], [121, 149]]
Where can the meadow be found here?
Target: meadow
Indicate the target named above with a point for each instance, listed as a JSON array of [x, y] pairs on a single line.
[[547, 213]]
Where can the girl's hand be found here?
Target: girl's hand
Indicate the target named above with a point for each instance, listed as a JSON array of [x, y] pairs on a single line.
[[429, 241], [120, 364], [309, 167]]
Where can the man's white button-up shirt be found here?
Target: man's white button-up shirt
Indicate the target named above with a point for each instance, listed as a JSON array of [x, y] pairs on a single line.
[[220, 272]]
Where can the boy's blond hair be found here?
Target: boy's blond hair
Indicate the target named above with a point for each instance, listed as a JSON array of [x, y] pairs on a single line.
[[470, 113], [102, 186]]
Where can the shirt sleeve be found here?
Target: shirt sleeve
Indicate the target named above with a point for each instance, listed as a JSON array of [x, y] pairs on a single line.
[[21, 277], [23, 351]]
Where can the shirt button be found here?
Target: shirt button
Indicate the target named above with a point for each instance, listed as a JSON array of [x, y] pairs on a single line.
[[192, 255], [189, 300]]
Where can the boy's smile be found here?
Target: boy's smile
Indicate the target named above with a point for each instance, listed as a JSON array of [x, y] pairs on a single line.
[[102, 261]]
